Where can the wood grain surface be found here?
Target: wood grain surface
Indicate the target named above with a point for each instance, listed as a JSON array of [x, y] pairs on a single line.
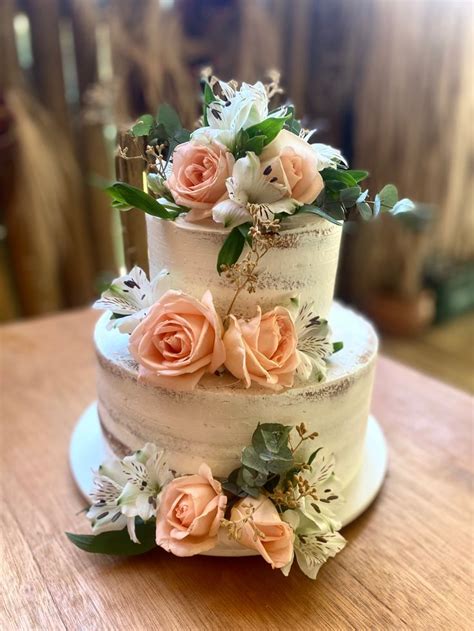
[[408, 562]]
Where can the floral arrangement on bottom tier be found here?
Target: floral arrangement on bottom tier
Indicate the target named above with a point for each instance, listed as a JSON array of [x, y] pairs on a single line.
[[278, 503]]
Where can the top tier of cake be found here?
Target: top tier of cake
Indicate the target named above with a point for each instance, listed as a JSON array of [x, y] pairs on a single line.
[[306, 265]]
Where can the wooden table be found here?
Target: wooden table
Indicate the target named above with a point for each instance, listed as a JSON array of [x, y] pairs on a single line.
[[407, 563]]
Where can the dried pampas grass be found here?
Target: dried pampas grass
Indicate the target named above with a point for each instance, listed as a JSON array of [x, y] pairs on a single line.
[[45, 180]]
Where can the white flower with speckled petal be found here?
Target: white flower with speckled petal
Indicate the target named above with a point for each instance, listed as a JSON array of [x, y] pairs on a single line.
[[129, 297], [314, 345], [233, 110], [312, 548], [128, 488], [248, 186]]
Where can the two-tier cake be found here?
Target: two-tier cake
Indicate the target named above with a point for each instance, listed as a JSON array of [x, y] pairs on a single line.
[[233, 393]]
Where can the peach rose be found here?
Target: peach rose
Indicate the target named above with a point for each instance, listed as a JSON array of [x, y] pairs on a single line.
[[265, 532], [289, 160], [190, 514], [198, 176], [262, 349], [179, 340]]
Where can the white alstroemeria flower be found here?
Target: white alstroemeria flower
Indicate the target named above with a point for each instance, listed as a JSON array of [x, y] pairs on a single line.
[[128, 488], [328, 157], [312, 547], [314, 344], [320, 509], [131, 296], [248, 185], [233, 110]]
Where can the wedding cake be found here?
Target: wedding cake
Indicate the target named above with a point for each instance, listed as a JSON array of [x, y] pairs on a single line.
[[217, 376]]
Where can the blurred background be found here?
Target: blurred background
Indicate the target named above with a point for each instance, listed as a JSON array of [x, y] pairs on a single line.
[[387, 81]]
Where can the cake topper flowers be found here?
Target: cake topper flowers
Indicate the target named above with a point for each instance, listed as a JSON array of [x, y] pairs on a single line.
[[279, 503], [245, 160]]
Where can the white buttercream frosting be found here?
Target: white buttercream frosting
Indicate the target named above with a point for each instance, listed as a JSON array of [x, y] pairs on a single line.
[[306, 265], [215, 421]]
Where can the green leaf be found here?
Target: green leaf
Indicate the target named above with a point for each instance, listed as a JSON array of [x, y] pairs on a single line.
[[143, 126], [363, 196], [377, 205], [405, 205], [337, 346], [313, 456], [357, 175], [126, 196], [244, 229], [270, 128], [118, 542], [270, 437], [315, 210], [182, 135], [281, 464], [251, 480], [168, 117], [256, 144], [292, 124], [340, 175], [388, 196], [208, 98], [335, 186], [231, 249], [251, 459], [349, 196], [365, 211]]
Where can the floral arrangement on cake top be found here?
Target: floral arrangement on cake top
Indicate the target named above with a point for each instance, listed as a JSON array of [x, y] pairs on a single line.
[[245, 163], [278, 503]]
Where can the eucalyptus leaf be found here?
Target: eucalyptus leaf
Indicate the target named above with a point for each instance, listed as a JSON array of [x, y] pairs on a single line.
[[143, 126], [349, 196], [168, 117], [377, 205], [364, 210], [388, 196], [363, 196], [118, 542], [335, 209], [251, 459], [405, 205], [315, 210], [270, 437]]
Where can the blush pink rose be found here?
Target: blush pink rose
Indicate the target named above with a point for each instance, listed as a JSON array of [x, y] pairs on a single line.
[[190, 514], [262, 349], [198, 176], [289, 160], [179, 340], [268, 534]]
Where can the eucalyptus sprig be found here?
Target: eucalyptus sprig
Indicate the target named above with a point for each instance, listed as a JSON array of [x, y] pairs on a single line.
[[270, 460]]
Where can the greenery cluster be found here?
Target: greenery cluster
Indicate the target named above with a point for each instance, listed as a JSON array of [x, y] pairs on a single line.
[[267, 462]]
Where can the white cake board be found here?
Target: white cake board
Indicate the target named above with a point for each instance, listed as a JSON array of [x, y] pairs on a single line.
[[88, 450]]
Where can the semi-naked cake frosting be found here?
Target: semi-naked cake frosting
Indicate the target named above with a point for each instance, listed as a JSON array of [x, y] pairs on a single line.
[[213, 422]]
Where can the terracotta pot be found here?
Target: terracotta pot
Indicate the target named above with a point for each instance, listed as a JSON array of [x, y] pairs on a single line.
[[395, 315]]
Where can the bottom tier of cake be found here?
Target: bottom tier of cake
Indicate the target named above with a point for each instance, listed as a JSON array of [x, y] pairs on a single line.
[[215, 421]]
